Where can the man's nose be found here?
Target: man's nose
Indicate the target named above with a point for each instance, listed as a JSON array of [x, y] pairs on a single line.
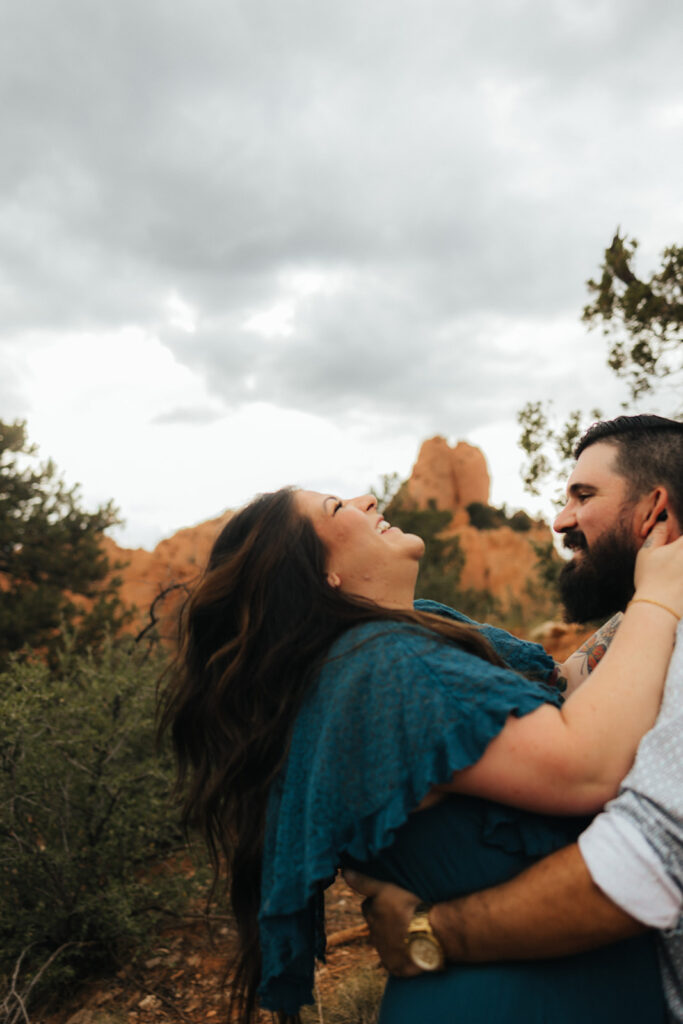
[[564, 520]]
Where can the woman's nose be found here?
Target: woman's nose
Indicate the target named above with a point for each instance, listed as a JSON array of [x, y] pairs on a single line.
[[365, 502]]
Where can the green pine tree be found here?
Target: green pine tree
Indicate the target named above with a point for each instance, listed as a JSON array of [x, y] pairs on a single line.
[[50, 554], [642, 319]]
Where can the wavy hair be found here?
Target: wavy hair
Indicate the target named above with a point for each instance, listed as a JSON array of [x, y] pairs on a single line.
[[254, 634]]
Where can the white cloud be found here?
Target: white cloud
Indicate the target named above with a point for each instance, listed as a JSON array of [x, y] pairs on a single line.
[[180, 314]]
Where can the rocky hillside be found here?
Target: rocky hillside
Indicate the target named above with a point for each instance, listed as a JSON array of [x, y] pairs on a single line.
[[159, 579]]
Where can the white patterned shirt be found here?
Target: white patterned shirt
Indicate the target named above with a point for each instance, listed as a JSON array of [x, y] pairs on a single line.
[[634, 849]]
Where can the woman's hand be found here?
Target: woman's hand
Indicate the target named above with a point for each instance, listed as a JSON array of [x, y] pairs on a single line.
[[659, 570]]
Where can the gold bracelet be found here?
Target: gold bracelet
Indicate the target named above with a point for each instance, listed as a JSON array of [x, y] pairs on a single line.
[[648, 600]]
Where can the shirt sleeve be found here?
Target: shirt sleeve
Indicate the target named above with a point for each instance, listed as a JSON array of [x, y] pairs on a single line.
[[634, 849], [628, 870]]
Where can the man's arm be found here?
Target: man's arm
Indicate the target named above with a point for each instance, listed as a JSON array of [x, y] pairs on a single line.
[[552, 909], [579, 665]]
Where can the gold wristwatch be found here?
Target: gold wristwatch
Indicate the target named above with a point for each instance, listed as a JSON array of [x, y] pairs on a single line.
[[424, 949]]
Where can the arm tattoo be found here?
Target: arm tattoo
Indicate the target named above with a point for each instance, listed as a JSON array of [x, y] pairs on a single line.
[[590, 652], [557, 679]]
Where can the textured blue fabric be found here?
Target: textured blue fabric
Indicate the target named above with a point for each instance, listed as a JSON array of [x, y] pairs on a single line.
[[522, 655], [617, 984], [394, 712]]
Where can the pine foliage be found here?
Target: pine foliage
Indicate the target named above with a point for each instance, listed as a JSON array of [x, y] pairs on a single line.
[[50, 554]]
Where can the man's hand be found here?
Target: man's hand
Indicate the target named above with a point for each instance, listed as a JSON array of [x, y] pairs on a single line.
[[388, 909]]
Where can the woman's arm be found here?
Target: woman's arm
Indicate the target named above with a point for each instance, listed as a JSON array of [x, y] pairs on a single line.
[[570, 760]]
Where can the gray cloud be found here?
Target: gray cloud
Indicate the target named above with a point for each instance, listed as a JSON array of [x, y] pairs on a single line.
[[12, 398], [189, 415], [449, 161]]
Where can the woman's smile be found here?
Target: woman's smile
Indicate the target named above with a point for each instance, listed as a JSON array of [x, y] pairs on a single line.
[[366, 555]]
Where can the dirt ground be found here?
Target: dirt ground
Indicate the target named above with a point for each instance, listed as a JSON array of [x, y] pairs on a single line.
[[180, 978]]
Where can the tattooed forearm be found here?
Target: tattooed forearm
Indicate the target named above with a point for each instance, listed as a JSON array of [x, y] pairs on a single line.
[[589, 653], [581, 663]]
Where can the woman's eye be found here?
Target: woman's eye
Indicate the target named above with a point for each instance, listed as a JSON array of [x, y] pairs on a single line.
[[340, 504]]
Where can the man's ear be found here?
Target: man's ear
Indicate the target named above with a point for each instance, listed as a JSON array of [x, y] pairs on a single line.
[[334, 580], [657, 510]]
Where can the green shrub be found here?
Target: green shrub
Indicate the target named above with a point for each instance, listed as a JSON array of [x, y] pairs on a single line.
[[480, 605], [443, 560], [485, 517], [84, 810], [520, 521]]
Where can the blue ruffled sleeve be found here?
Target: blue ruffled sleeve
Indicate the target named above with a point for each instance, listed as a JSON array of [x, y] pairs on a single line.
[[394, 712], [522, 655]]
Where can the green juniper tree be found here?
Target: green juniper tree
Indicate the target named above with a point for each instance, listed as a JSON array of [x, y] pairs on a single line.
[[50, 554], [642, 319], [549, 448]]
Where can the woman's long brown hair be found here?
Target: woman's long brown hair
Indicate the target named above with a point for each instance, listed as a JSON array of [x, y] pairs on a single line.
[[254, 635]]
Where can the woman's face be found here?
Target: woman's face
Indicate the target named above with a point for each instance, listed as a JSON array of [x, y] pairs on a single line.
[[365, 554]]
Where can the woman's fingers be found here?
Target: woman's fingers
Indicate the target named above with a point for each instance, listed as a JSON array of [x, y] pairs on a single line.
[[659, 569], [657, 536]]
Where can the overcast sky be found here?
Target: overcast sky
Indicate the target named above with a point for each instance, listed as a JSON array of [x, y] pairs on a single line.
[[283, 241]]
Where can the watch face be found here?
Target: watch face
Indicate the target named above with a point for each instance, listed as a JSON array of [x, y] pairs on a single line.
[[425, 953]]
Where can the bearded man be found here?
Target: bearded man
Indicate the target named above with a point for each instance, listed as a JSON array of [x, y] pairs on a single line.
[[625, 873]]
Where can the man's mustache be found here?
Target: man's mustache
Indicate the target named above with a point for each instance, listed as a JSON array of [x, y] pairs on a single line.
[[574, 540]]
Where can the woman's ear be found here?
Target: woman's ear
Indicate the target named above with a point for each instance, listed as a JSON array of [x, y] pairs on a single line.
[[333, 580]]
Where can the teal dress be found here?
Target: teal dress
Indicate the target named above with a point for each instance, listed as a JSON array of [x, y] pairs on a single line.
[[394, 712], [464, 844]]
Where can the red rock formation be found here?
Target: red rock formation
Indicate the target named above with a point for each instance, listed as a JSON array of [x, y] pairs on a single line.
[[450, 477], [501, 560], [174, 564]]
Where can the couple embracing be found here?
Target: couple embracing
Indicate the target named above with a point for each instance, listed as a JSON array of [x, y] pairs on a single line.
[[322, 718]]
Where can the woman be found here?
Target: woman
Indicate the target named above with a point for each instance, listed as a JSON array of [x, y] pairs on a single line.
[[313, 709]]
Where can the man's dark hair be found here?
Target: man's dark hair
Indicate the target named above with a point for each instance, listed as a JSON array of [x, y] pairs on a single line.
[[649, 453]]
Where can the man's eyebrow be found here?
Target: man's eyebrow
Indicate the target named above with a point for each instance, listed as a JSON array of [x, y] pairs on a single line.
[[575, 488]]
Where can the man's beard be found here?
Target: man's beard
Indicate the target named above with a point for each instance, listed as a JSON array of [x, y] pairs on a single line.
[[600, 582]]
